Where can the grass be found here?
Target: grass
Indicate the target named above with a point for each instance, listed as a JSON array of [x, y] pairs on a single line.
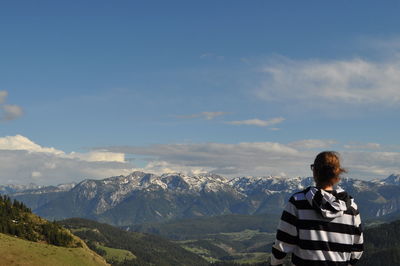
[[15, 251], [204, 253], [248, 234], [255, 257], [117, 255]]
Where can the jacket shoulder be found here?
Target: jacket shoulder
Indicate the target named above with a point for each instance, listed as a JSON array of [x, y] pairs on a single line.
[[300, 195]]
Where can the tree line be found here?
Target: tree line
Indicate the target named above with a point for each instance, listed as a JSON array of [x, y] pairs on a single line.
[[18, 220]]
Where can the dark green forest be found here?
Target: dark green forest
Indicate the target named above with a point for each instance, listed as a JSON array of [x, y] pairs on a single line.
[[149, 249], [382, 245], [17, 219]]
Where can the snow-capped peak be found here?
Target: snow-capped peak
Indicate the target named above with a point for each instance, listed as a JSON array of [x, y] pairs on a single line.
[[393, 179]]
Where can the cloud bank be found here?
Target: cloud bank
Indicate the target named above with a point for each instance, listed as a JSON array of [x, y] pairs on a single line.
[[23, 161], [315, 82], [261, 158]]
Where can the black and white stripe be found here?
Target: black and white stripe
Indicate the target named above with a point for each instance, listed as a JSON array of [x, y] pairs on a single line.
[[319, 228]]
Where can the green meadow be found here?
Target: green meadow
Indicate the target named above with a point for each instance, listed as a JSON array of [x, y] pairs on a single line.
[[15, 251]]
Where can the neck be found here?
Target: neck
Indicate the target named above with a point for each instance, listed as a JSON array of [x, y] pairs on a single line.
[[325, 187]]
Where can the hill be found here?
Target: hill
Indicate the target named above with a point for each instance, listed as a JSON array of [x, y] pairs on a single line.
[[16, 251], [382, 245], [26, 239], [131, 248], [18, 220]]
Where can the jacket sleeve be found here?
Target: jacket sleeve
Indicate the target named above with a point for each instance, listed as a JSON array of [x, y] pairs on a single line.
[[358, 244], [286, 235]]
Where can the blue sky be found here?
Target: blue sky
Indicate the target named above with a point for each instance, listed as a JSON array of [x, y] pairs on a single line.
[[114, 86]]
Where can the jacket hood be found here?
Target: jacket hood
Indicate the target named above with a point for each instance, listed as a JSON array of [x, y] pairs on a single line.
[[330, 204]]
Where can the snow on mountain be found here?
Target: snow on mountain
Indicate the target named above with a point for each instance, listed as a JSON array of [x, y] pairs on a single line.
[[392, 179], [270, 184], [118, 187], [6, 189], [34, 189], [177, 182], [140, 196], [350, 184], [111, 191]]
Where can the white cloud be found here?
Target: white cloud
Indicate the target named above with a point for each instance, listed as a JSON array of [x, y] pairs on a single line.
[[24, 161], [318, 83], [258, 122], [312, 144], [99, 156], [22, 143], [259, 158], [248, 158], [3, 96], [363, 146], [19, 142], [204, 115], [212, 115], [36, 174], [370, 163]]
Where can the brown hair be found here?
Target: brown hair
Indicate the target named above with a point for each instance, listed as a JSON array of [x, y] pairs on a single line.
[[327, 168]]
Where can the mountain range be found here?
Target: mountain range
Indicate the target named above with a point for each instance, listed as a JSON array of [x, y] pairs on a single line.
[[144, 197]]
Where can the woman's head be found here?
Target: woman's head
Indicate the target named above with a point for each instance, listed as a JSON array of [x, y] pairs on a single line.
[[326, 169]]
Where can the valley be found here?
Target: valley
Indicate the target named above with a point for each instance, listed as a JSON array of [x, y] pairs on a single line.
[[192, 220]]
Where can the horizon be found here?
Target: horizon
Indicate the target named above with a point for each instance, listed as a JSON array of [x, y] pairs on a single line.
[[190, 175], [100, 88]]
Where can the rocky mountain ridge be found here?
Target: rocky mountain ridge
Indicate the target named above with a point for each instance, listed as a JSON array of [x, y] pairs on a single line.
[[144, 197]]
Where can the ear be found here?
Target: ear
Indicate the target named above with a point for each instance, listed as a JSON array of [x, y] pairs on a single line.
[[336, 180]]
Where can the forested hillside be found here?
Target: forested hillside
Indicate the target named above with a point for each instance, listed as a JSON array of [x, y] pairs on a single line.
[[146, 249], [382, 245], [17, 220], [26, 239]]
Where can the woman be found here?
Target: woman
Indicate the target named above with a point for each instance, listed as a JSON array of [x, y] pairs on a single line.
[[320, 225]]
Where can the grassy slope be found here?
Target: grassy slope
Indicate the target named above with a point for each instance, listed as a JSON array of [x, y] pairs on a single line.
[[15, 251], [115, 254]]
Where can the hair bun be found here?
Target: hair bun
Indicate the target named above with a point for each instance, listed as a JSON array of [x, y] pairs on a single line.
[[329, 171]]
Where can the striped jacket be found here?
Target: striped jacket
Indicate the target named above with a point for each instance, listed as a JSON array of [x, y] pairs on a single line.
[[319, 228]]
